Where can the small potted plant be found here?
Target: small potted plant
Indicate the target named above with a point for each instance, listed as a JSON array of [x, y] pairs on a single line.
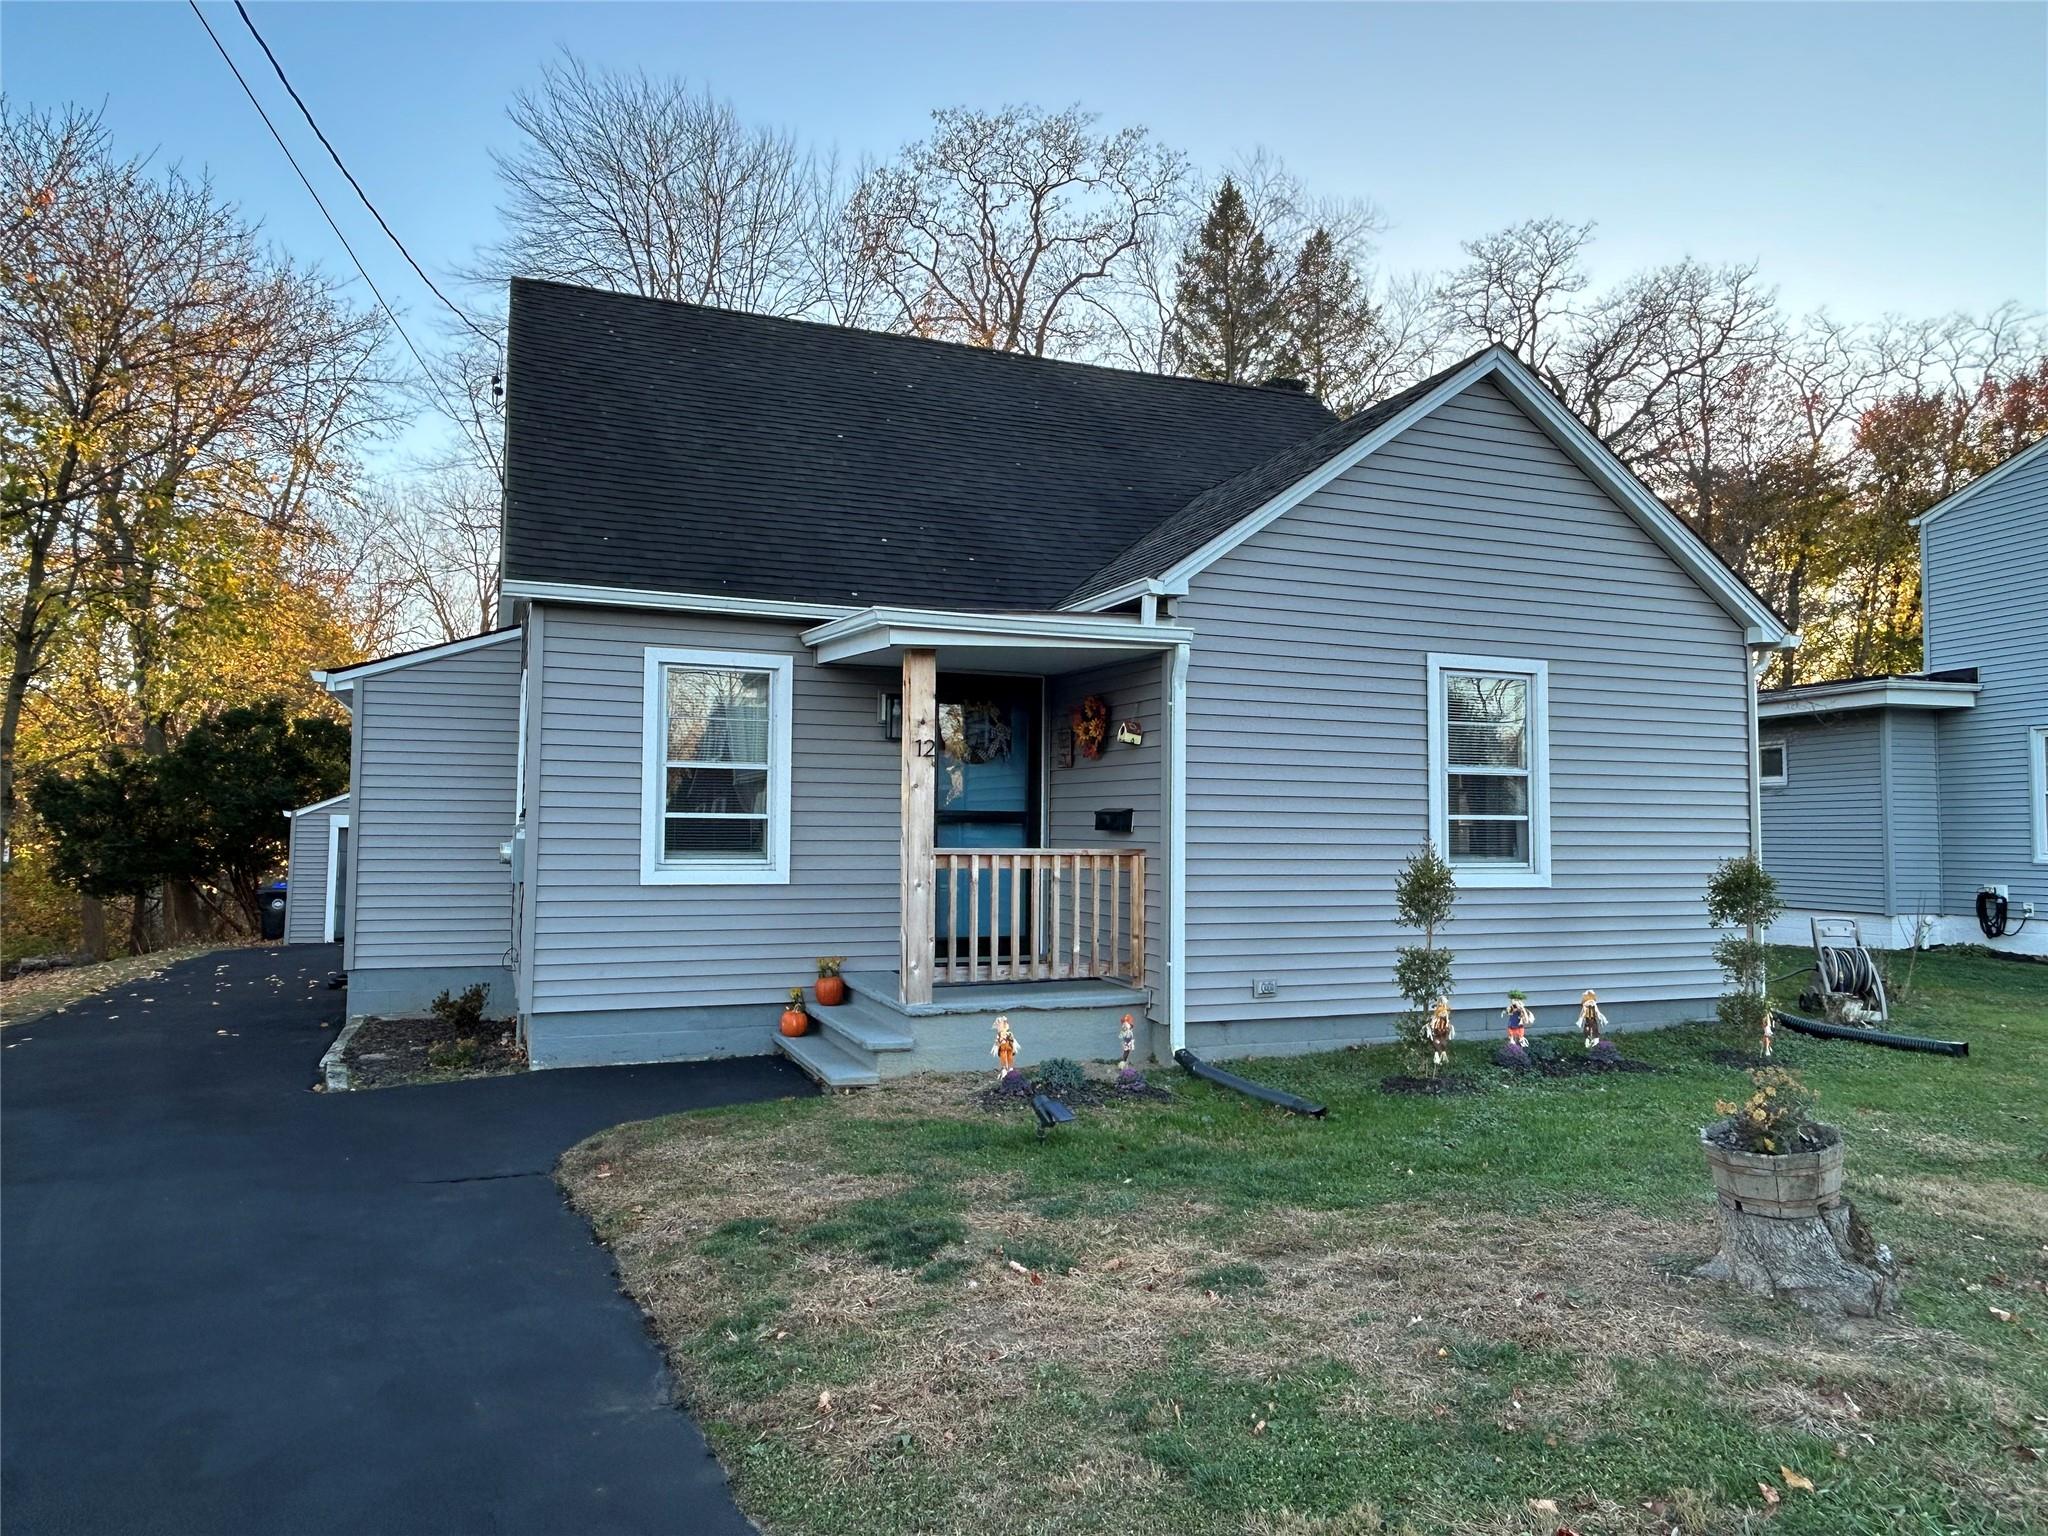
[[831, 987], [794, 1020], [1769, 1155]]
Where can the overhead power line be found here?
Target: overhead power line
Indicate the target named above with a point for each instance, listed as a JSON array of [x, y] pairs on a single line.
[[389, 313], [335, 155]]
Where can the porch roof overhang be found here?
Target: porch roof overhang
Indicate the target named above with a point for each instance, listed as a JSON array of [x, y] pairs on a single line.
[[1866, 693], [1030, 643]]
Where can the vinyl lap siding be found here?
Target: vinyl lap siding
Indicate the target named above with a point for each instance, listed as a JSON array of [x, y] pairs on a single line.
[[1912, 812], [305, 904], [601, 940], [1122, 776], [1824, 828], [1985, 570], [1308, 754], [433, 799]]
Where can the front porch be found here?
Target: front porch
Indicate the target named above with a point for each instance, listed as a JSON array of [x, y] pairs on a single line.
[[1033, 868]]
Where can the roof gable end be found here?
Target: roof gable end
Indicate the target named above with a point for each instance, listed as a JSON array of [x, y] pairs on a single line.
[[1221, 519]]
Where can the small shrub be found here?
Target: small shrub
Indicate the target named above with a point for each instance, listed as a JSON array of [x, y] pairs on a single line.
[[463, 1010], [454, 1055], [1061, 1077], [1777, 1115], [1424, 893], [1742, 897]]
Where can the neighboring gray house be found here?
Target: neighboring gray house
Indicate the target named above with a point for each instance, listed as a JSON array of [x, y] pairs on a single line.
[[1046, 688], [1903, 800], [315, 898]]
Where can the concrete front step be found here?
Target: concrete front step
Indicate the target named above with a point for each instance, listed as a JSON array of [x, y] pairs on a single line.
[[830, 1062], [994, 997], [865, 1024]]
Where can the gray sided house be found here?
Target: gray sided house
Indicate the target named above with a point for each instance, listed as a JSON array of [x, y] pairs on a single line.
[[1052, 690], [315, 900], [1904, 800]]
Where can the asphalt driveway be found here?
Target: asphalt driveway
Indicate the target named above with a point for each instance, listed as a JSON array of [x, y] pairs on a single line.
[[230, 1305]]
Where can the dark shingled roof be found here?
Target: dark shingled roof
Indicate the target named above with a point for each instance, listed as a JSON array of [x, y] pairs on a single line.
[[1223, 506], [669, 447]]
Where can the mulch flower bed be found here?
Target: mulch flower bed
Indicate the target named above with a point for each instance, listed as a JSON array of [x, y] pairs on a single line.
[[1549, 1060], [1014, 1091], [387, 1052]]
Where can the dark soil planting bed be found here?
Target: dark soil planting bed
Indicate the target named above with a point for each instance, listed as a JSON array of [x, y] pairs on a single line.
[[1430, 1087], [385, 1053], [1546, 1058]]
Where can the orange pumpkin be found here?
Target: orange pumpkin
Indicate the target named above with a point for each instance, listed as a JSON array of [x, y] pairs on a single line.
[[794, 1020], [831, 991]]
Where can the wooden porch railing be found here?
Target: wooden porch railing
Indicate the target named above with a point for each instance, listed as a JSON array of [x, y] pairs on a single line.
[[1052, 914]]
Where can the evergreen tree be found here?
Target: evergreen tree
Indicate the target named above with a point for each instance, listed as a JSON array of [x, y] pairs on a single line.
[[1229, 297], [1328, 325]]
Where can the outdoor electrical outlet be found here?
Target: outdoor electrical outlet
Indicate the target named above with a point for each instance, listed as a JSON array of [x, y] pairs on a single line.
[[1265, 986]]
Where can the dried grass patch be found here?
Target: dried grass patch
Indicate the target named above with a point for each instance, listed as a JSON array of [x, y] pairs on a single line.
[[1988, 1205], [1417, 1299]]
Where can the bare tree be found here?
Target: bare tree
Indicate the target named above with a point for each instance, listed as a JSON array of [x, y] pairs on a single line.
[[1517, 289], [427, 549], [1010, 229], [636, 182]]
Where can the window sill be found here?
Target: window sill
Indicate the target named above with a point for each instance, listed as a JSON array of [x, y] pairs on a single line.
[[1478, 877], [713, 874]]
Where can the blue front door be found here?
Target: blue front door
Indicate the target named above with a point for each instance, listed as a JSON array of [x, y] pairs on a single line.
[[986, 786]]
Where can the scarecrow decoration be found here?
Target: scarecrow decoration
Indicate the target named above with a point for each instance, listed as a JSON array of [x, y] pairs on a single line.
[[1440, 1033], [1127, 1038], [1591, 1019], [1770, 1033], [1005, 1048], [1091, 725], [1519, 1016]]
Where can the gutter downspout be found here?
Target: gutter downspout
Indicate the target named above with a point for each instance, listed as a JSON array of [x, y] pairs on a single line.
[[1177, 850]]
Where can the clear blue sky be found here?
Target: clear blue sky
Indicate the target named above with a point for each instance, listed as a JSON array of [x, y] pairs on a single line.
[[1873, 158]]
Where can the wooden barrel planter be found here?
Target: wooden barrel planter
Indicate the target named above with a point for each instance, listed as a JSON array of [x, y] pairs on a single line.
[[1787, 1186]]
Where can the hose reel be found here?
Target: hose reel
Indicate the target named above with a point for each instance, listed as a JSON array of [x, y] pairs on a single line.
[[1849, 985]]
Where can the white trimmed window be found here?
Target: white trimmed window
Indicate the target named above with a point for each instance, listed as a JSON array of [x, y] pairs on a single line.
[[1770, 764], [2037, 779], [1489, 789], [715, 791]]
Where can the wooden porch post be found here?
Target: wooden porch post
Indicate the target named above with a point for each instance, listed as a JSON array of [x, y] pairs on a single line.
[[920, 756]]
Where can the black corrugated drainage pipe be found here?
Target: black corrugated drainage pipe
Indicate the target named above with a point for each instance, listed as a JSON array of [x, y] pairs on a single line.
[[1820, 1031], [1291, 1103]]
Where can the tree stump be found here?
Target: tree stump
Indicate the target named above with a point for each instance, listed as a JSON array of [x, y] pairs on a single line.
[[1828, 1264], [1787, 1232]]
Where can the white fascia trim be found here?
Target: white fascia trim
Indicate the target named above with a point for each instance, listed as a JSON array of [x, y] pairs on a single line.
[[1761, 626], [317, 805], [1982, 482], [1536, 873], [339, 679], [1116, 597], [335, 826], [875, 630], [654, 870], [670, 602], [1831, 698]]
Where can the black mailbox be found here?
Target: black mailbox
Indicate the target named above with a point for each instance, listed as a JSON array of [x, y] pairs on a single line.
[[1114, 821]]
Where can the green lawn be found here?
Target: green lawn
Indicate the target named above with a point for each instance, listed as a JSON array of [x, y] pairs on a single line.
[[1461, 1314]]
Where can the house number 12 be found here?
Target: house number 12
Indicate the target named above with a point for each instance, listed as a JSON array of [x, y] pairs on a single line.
[[927, 747]]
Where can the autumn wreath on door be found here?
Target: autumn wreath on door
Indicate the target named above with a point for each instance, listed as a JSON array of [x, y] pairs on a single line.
[[1091, 725]]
